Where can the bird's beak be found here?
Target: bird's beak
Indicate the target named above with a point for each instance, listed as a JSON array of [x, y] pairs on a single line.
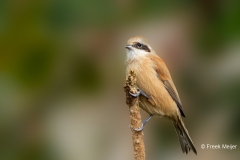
[[128, 47]]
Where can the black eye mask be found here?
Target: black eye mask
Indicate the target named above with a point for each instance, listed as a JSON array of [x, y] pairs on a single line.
[[142, 47]]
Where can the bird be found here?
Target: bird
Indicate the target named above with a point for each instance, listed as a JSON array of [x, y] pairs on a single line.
[[157, 93]]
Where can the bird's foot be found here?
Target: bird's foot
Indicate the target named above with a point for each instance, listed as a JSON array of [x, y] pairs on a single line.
[[140, 92], [143, 124]]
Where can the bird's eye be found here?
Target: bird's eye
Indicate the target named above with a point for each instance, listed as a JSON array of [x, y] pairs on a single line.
[[139, 45]]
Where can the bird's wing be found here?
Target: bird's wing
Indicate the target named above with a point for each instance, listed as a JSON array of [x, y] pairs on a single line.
[[174, 96], [165, 77]]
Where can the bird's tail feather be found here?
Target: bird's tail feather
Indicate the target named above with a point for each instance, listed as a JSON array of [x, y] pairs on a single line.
[[184, 138]]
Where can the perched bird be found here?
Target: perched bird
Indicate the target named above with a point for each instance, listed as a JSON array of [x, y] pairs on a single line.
[[158, 95]]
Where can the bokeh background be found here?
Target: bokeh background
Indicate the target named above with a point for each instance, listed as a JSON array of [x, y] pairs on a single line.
[[62, 73]]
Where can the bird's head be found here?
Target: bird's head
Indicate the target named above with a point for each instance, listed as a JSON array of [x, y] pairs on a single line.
[[137, 46]]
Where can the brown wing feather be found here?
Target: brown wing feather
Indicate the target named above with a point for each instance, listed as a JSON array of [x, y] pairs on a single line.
[[164, 75], [174, 96]]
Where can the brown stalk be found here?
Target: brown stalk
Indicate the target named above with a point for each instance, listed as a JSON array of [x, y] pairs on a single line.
[[135, 116]]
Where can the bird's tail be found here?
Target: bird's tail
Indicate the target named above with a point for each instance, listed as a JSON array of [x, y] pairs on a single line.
[[183, 136]]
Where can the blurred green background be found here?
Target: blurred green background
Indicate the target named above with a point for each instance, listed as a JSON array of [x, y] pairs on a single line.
[[62, 73]]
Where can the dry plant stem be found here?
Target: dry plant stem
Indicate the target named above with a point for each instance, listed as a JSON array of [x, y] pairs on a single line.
[[135, 116]]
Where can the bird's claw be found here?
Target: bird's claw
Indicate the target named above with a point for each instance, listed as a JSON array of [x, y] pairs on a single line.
[[139, 129], [143, 124], [135, 94], [139, 92]]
